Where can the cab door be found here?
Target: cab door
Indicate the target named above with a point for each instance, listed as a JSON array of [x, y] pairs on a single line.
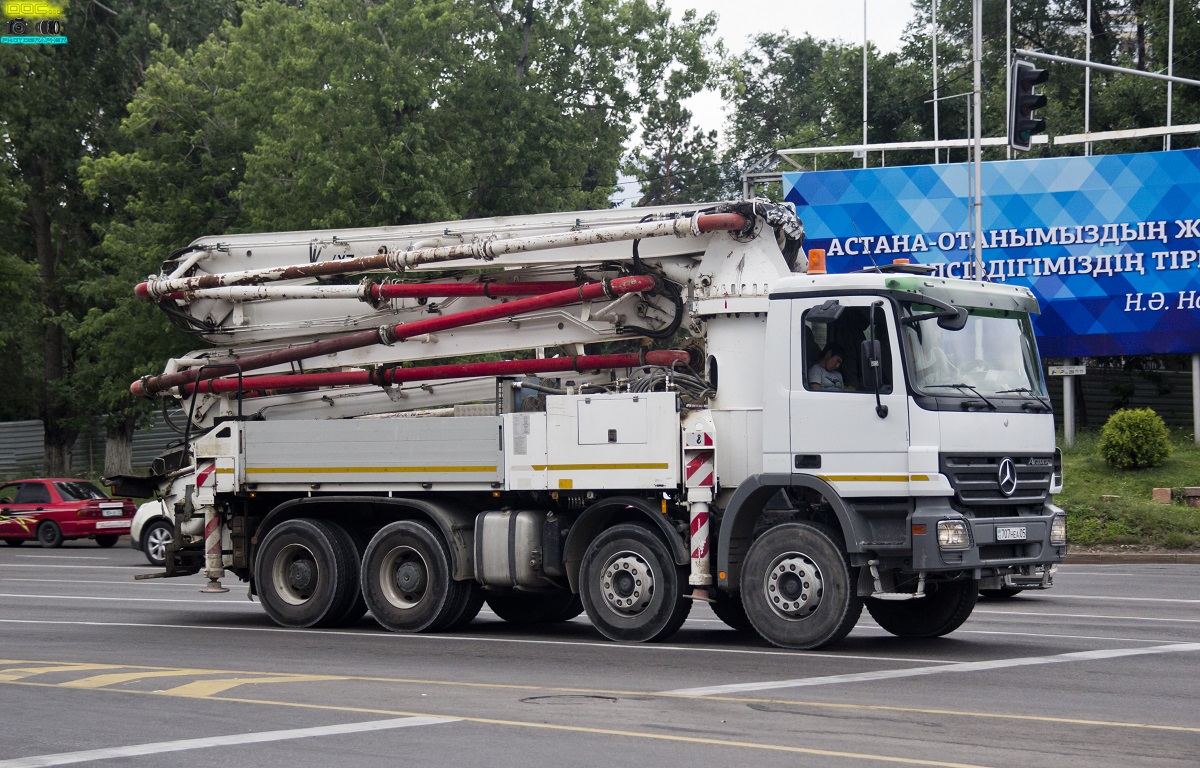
[[855, 437]]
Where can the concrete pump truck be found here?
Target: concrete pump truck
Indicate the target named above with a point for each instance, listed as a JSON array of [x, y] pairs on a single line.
[[607, 412]]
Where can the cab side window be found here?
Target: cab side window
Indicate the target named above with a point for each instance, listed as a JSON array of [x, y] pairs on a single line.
[[832, 350], [8, 494]]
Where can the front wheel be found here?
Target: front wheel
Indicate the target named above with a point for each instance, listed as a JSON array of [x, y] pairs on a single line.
[[946, 605], [729, 609], [107, 540], [798, 588], [630, 586], [306, 574], [14, 542]]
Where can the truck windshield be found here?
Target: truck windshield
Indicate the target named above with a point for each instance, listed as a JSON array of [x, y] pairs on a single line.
[[993, 355]]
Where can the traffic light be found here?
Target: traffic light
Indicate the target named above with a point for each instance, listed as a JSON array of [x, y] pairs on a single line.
[[1022, 101]]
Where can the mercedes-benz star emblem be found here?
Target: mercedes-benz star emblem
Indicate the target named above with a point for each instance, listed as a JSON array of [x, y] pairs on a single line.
[[1007, 477]]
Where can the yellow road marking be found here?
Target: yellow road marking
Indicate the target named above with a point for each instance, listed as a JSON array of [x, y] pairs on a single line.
[[202, 689], [100, 681], [19, 673], [581, 729], [258, 677], [348, 470]]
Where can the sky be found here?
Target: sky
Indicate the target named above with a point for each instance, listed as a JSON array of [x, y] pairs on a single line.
[[825, 19]]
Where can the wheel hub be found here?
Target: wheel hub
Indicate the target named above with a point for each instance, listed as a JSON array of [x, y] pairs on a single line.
[[627, 583], [301, 576], [404, 577], [410, 578], [794, 586]]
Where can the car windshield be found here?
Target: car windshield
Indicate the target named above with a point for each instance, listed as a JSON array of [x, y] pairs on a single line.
[[994, 354], [79, 490]]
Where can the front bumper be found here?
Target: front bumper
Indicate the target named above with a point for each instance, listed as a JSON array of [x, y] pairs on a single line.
[[985, 554]]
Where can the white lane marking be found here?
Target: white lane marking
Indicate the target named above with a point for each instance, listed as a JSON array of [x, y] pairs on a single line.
[[110, 567], [133, 599], [1069, 637], [1131, 599], [399, 637], [66, 557], [130, 583], [135, 750], [966, 666], [1083, 616]]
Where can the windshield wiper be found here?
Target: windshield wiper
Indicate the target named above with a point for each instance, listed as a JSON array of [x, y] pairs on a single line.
[[991, 406], [1027, 391]]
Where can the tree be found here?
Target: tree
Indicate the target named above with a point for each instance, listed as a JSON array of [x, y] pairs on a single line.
[[59, 105]]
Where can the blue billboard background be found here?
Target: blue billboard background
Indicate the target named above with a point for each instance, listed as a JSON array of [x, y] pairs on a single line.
[[1110, 245]]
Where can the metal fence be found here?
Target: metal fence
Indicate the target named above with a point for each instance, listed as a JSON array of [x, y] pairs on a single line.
[[21, 447]]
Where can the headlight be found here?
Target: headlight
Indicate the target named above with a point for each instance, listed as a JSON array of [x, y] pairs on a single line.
[[1058, 530], [953, 534]]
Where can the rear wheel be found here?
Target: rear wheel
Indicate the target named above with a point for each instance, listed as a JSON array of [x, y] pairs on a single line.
[[946, 605], [156, 537], [306, 574], [107, 540], [630, 586], [798, 589], [49, 535], [535, 607], [407, 579], [469, 599], [729, 609]]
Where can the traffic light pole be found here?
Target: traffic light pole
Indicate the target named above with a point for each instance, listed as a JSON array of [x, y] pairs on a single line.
[[1104, 67]]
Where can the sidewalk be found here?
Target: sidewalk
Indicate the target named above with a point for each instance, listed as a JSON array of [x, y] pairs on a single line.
[[1161, 557]]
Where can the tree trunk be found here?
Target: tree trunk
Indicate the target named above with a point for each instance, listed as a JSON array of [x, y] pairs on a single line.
[[118, 447]]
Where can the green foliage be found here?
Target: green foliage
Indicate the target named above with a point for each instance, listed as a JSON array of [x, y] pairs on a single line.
[[1111, 508], [1134, 438]]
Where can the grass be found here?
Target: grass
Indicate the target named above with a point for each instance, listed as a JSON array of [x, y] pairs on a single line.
[[1107, 507]]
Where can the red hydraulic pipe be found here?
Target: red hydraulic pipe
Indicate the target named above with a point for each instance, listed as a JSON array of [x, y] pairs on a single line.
[[386, 376], [151, 385], [429, 290]]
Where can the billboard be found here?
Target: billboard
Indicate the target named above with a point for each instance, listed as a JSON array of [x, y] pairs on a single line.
[[1110, 245]]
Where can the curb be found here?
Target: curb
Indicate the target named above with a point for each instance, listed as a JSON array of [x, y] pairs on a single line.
[[1133, 558]]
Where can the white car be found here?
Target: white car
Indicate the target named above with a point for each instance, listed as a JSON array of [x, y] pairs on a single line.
[[152, 530]]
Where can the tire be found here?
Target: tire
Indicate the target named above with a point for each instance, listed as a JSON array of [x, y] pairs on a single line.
[[798, 588], [156, 537], [525, 608], [630, 586], [306, 574], [407, 579], [1002, 593], [729, 609], [356, 608], [107, 540], [946, 605], [14, 542], [470, 601], [49, 535]]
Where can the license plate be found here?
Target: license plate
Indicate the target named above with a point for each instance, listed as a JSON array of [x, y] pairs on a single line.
[[1010, 533], [104, 524], [112, 512]]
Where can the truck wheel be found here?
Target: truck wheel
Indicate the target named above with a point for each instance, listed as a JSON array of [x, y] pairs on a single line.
[[630, 586], [469, 599], [798, 589], [945, 607], [49, 535], [406, 579], [729, 609], [356, 608], [306, 574], [535, 607], [1001, 593]]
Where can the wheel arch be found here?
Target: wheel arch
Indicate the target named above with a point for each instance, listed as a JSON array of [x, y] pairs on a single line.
[[746, 507], [455, 522], [607, 512]]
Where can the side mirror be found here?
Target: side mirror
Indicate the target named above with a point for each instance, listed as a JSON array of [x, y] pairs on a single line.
[[828, 312], [954, 322], [870, 363]]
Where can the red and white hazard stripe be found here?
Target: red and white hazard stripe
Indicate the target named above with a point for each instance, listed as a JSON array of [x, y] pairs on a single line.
[[699, 471]]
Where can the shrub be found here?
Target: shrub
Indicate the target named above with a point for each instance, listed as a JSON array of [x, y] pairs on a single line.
[[1177, 540], [1134, 438]]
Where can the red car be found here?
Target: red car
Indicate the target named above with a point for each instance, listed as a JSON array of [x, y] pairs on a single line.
[[55, 509]]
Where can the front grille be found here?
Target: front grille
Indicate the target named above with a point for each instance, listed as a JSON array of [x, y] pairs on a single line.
[[976, 482]]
